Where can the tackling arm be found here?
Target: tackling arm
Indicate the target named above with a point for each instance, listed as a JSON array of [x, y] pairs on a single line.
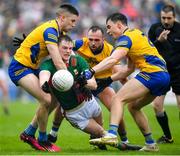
[[54, 53], [110, 61]]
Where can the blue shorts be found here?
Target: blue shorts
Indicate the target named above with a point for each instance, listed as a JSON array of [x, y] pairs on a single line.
[[16, 71], [158, 82]]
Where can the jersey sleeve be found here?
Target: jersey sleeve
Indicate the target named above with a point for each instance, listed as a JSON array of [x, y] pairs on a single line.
[[77, 44], [50, 36], [49, 66], [123, 42]]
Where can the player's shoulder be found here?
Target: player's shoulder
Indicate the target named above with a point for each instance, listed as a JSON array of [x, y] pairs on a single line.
[[108, 45], [48, 24]]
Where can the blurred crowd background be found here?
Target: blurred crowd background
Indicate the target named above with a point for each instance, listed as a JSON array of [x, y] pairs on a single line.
[[21, 16]]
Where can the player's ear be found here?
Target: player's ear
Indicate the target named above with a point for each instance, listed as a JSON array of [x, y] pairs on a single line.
[[62, 17], [119, 25]]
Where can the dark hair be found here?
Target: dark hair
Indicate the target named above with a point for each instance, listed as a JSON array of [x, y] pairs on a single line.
[[117, 17], [65, 38], [95, 28], [168, 8], [69, 8]]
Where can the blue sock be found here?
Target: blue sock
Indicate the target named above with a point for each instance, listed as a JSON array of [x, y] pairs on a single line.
[[149, 139], [30, 130], [42, 136], [113, 129]]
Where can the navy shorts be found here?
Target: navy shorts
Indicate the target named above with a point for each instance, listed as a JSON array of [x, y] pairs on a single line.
[[16, 71], [158, 82]]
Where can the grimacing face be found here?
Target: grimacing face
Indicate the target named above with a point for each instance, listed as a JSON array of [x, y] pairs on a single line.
[[95, 40], [167, 19], [65, 49]]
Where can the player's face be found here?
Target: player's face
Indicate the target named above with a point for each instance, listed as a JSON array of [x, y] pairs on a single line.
[[95, 40], [65, 49], [167, 19], [113, 29], [69, 21]]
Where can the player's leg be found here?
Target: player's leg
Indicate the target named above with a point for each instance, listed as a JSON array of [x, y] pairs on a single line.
[[162, 119], [41, 117], [106, 96], [142, 121], [132, 90], [58, 118]]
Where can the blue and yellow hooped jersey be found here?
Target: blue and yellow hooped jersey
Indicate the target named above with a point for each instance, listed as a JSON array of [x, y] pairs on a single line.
[[82, 48], [33, 49], [141, 51]]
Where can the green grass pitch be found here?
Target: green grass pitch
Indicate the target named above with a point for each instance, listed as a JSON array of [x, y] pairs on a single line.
[[75, 142]]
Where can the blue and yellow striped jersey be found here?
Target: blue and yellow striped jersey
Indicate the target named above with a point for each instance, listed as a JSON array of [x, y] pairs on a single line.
[[141, 51], [33, 49], [82, 48]]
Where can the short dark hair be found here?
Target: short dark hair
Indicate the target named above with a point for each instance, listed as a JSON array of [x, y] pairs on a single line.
[[95, 28], [117, 17], [168, 8], [69, 8], [65, 38]]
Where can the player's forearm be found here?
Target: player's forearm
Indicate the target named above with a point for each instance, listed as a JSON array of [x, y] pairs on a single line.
[[107, 63], [59, 64], [44, 76], [56, 57]]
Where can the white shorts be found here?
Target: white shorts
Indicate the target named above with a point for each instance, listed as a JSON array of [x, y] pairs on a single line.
[[79, 116]]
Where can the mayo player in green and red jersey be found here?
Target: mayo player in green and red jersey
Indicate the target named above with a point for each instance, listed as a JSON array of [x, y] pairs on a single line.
[[77, 104]]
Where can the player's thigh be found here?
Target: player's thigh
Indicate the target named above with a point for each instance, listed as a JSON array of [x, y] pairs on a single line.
[[30, 83], [106, 96], [158, 103], [132, 90]]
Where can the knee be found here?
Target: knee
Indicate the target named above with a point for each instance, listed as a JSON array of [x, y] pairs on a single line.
[[158, 107], [45, 102], [132, 107]]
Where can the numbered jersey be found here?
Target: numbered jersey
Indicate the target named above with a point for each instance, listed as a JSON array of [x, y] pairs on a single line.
[[141, 51], [33, 49]]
